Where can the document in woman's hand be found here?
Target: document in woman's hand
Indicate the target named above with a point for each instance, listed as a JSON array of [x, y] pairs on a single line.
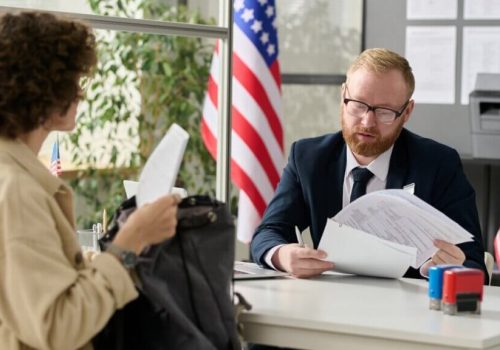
[[160, 172]]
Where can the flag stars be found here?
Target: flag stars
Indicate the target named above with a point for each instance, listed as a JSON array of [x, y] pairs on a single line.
[[238, 5], [256, 26], [269, 11], [264, 38], [271, 50], [262, 2], [247, 15]]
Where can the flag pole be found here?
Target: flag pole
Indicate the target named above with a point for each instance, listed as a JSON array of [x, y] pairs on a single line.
[[225, 101]]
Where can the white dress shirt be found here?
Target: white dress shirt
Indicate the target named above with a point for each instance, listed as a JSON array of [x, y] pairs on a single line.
[[379, 167]]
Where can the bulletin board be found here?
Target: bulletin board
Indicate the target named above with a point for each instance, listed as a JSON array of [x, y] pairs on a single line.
[[388, 24]]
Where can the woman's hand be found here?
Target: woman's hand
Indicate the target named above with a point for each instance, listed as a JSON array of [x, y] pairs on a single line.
[[150, 224]]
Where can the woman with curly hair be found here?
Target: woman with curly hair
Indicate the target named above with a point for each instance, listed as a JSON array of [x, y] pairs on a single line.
[[51, 297]]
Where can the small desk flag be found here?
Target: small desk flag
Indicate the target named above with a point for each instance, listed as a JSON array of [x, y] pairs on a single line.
[[55, 159]]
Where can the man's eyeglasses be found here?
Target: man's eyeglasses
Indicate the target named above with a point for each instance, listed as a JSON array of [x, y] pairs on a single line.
[[384, 115]]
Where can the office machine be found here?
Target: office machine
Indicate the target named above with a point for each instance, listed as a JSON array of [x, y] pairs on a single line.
[[462, 291], [484, 113]]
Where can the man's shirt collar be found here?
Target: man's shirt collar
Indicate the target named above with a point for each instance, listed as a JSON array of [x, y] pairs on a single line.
[[379, 166]]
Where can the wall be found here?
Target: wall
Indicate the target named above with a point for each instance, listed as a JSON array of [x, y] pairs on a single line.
[[385, 26]]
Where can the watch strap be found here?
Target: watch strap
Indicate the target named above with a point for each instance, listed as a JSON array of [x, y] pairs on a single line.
[[127, 257]]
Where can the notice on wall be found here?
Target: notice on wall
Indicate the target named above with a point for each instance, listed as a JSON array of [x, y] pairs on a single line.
[[431, 53], [481, 9], [481, 54], [431, 9]]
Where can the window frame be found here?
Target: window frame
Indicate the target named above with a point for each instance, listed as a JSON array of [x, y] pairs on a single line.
[[223, 32]]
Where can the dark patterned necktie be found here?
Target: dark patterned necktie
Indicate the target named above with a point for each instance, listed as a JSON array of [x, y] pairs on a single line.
[[361, 177]]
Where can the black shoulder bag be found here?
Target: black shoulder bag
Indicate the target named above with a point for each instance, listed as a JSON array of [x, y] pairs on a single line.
[[185, 285]]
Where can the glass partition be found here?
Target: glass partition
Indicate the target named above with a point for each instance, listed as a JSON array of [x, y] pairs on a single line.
[[319, 37], [142, 85], [309, 111]]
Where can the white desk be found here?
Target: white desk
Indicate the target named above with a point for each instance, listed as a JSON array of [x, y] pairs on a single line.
[[351, 312]]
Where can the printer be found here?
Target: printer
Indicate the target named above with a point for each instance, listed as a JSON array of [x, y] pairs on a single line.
[[484, 112]]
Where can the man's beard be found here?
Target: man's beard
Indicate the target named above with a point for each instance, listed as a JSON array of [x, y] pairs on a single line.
[[371, 149]]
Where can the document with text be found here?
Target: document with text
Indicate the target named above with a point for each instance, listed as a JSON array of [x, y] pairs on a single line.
[[392, 216]]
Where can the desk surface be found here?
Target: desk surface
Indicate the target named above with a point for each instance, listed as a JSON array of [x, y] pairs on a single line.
[[352, 312]]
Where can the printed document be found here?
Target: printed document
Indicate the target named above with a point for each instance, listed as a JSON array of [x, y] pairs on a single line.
[[160, 172], [398, 220]]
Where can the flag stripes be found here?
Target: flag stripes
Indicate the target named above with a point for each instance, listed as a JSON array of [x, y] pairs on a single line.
[[257, 148], [253, 86]]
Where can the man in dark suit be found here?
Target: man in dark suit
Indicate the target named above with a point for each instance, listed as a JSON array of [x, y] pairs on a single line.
[[372, 152]]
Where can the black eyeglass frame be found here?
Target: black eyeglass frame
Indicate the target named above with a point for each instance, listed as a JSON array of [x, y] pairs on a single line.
[[373, 108]]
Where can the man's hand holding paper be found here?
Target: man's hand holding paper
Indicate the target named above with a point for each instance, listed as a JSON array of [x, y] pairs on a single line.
[[301, 261]]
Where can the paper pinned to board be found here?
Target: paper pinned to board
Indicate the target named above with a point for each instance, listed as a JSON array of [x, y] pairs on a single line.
[[160, 172], [400, 217], [357, 252]]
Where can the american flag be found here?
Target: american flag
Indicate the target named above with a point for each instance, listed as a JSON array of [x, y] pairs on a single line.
[[257, 155], [55, 160]]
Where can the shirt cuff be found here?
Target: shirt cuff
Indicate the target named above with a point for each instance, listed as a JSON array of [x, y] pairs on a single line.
[[269, 255], [420, 270]]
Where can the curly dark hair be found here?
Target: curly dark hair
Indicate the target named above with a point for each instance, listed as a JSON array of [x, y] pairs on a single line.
[[42, 58]]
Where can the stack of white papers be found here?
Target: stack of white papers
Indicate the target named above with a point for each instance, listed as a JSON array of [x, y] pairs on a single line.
[[384, 232]]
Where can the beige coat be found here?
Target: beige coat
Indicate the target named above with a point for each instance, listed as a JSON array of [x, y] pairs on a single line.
[[50, 298]]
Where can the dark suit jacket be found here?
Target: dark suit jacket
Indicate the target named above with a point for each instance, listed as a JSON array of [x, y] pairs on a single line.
[[310, 191]]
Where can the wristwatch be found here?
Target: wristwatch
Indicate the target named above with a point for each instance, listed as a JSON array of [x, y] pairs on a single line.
[[127, 258]]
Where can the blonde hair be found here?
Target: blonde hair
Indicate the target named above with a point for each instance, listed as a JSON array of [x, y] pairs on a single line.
[[382, 60]]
